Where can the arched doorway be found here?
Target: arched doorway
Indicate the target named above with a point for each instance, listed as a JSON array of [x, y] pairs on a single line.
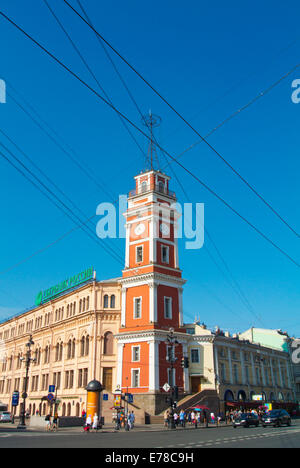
[[228, 396], [242, 395]]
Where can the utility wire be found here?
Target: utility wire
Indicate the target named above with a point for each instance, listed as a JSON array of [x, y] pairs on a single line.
[[64, 208], [185, 121], [238, 291], [91, 72], [143, 133]]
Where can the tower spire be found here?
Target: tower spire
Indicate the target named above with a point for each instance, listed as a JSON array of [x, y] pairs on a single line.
[[152, 121]]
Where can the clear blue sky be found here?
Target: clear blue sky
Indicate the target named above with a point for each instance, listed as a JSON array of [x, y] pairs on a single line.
[[208, 60]]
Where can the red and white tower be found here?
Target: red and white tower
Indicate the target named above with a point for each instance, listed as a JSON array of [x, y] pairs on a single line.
[[152, 287]]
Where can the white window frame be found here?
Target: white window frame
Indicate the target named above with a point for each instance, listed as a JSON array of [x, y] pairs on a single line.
[[198, 353], [134, 307], [139, 378], [168, 254], [171, 308], [132, 353], [136, 253]]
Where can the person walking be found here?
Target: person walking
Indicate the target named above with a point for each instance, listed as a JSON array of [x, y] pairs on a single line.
[[131, 419], [48, 422], [88, 423], [166, 418], [95, 422], [55, 422], [213, 418], [182, 418]]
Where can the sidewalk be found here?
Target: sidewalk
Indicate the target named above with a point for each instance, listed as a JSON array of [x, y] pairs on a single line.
[[111, 428]]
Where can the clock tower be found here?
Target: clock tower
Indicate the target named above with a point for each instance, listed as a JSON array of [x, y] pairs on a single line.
[[152, 287]]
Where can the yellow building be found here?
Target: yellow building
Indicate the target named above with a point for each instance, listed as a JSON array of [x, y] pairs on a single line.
[[73, 344], [226, 371]]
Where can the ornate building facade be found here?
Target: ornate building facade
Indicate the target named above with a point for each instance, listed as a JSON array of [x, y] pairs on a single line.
[[74, 343]]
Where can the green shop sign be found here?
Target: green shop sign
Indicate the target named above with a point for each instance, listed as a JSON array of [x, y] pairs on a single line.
[[48, 294]]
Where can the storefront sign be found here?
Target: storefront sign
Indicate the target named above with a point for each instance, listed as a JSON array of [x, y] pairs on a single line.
[[51, 293]]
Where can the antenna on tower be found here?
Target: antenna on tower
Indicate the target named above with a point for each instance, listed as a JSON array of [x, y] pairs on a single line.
[[151, 121]]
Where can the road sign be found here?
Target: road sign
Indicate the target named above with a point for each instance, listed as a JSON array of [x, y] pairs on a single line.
[[15, 399], [105, 396], [51, 388], [166, 387], [50, 397], [130, 398]]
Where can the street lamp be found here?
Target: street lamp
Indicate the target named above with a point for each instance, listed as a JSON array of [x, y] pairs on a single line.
[[172, 341], [28, 360]]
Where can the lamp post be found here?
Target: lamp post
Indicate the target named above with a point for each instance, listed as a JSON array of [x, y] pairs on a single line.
[[28, 360], [172, 342]]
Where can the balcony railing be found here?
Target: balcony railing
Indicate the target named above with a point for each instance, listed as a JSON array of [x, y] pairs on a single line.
[[156, 188]]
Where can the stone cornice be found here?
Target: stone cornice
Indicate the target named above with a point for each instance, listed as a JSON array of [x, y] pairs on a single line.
[[152, 277]]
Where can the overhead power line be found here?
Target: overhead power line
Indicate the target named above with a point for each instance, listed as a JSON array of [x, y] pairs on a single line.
[[146, 136], [61, 205], [229, 165]]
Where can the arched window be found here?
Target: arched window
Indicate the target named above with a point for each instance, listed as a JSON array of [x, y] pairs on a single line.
[[69, 409], [87, 346], [161, 187], [82, 346], [83, 309], [144, 187], [80, 305], [69, 353], [73, 348], [108, 347], [112, 301], [57, 347], [74, 308], [105, 301], [68, 310], [88, 303]]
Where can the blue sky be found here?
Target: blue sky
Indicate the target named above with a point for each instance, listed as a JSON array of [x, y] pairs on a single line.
[[208, 60]]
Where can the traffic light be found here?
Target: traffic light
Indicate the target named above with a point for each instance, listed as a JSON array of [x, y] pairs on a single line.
[[175, 394], [185, 364]]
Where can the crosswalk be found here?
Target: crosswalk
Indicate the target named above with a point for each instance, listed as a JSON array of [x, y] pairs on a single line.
[[234, 439]]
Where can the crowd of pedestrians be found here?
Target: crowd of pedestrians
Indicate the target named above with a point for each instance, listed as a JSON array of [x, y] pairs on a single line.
[[191, 418]]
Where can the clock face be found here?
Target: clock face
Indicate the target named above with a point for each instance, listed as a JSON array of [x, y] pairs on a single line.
[[140, 229], [164, 229]]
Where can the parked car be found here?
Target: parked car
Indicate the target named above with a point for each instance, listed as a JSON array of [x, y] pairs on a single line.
[[276, 418], [5, 416], [246, 420]]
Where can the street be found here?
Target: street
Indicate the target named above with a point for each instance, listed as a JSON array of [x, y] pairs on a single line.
[[157, 439]]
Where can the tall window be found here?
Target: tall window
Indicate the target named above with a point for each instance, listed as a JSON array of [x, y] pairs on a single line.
[[135, 353], [168, 307], [112, 301], [135, 378], [195, 358], [105, 301], [137, 313], [108, 343], [165, 254], [139, 254]]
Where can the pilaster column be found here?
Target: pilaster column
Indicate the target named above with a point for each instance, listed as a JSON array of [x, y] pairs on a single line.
[[123, 309], [153, 302], [230, 366], [120, 364], [153, 366], [180, 303]]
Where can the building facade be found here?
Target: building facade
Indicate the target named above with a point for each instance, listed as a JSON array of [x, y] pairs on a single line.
[[73, 344], [238, 370]]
